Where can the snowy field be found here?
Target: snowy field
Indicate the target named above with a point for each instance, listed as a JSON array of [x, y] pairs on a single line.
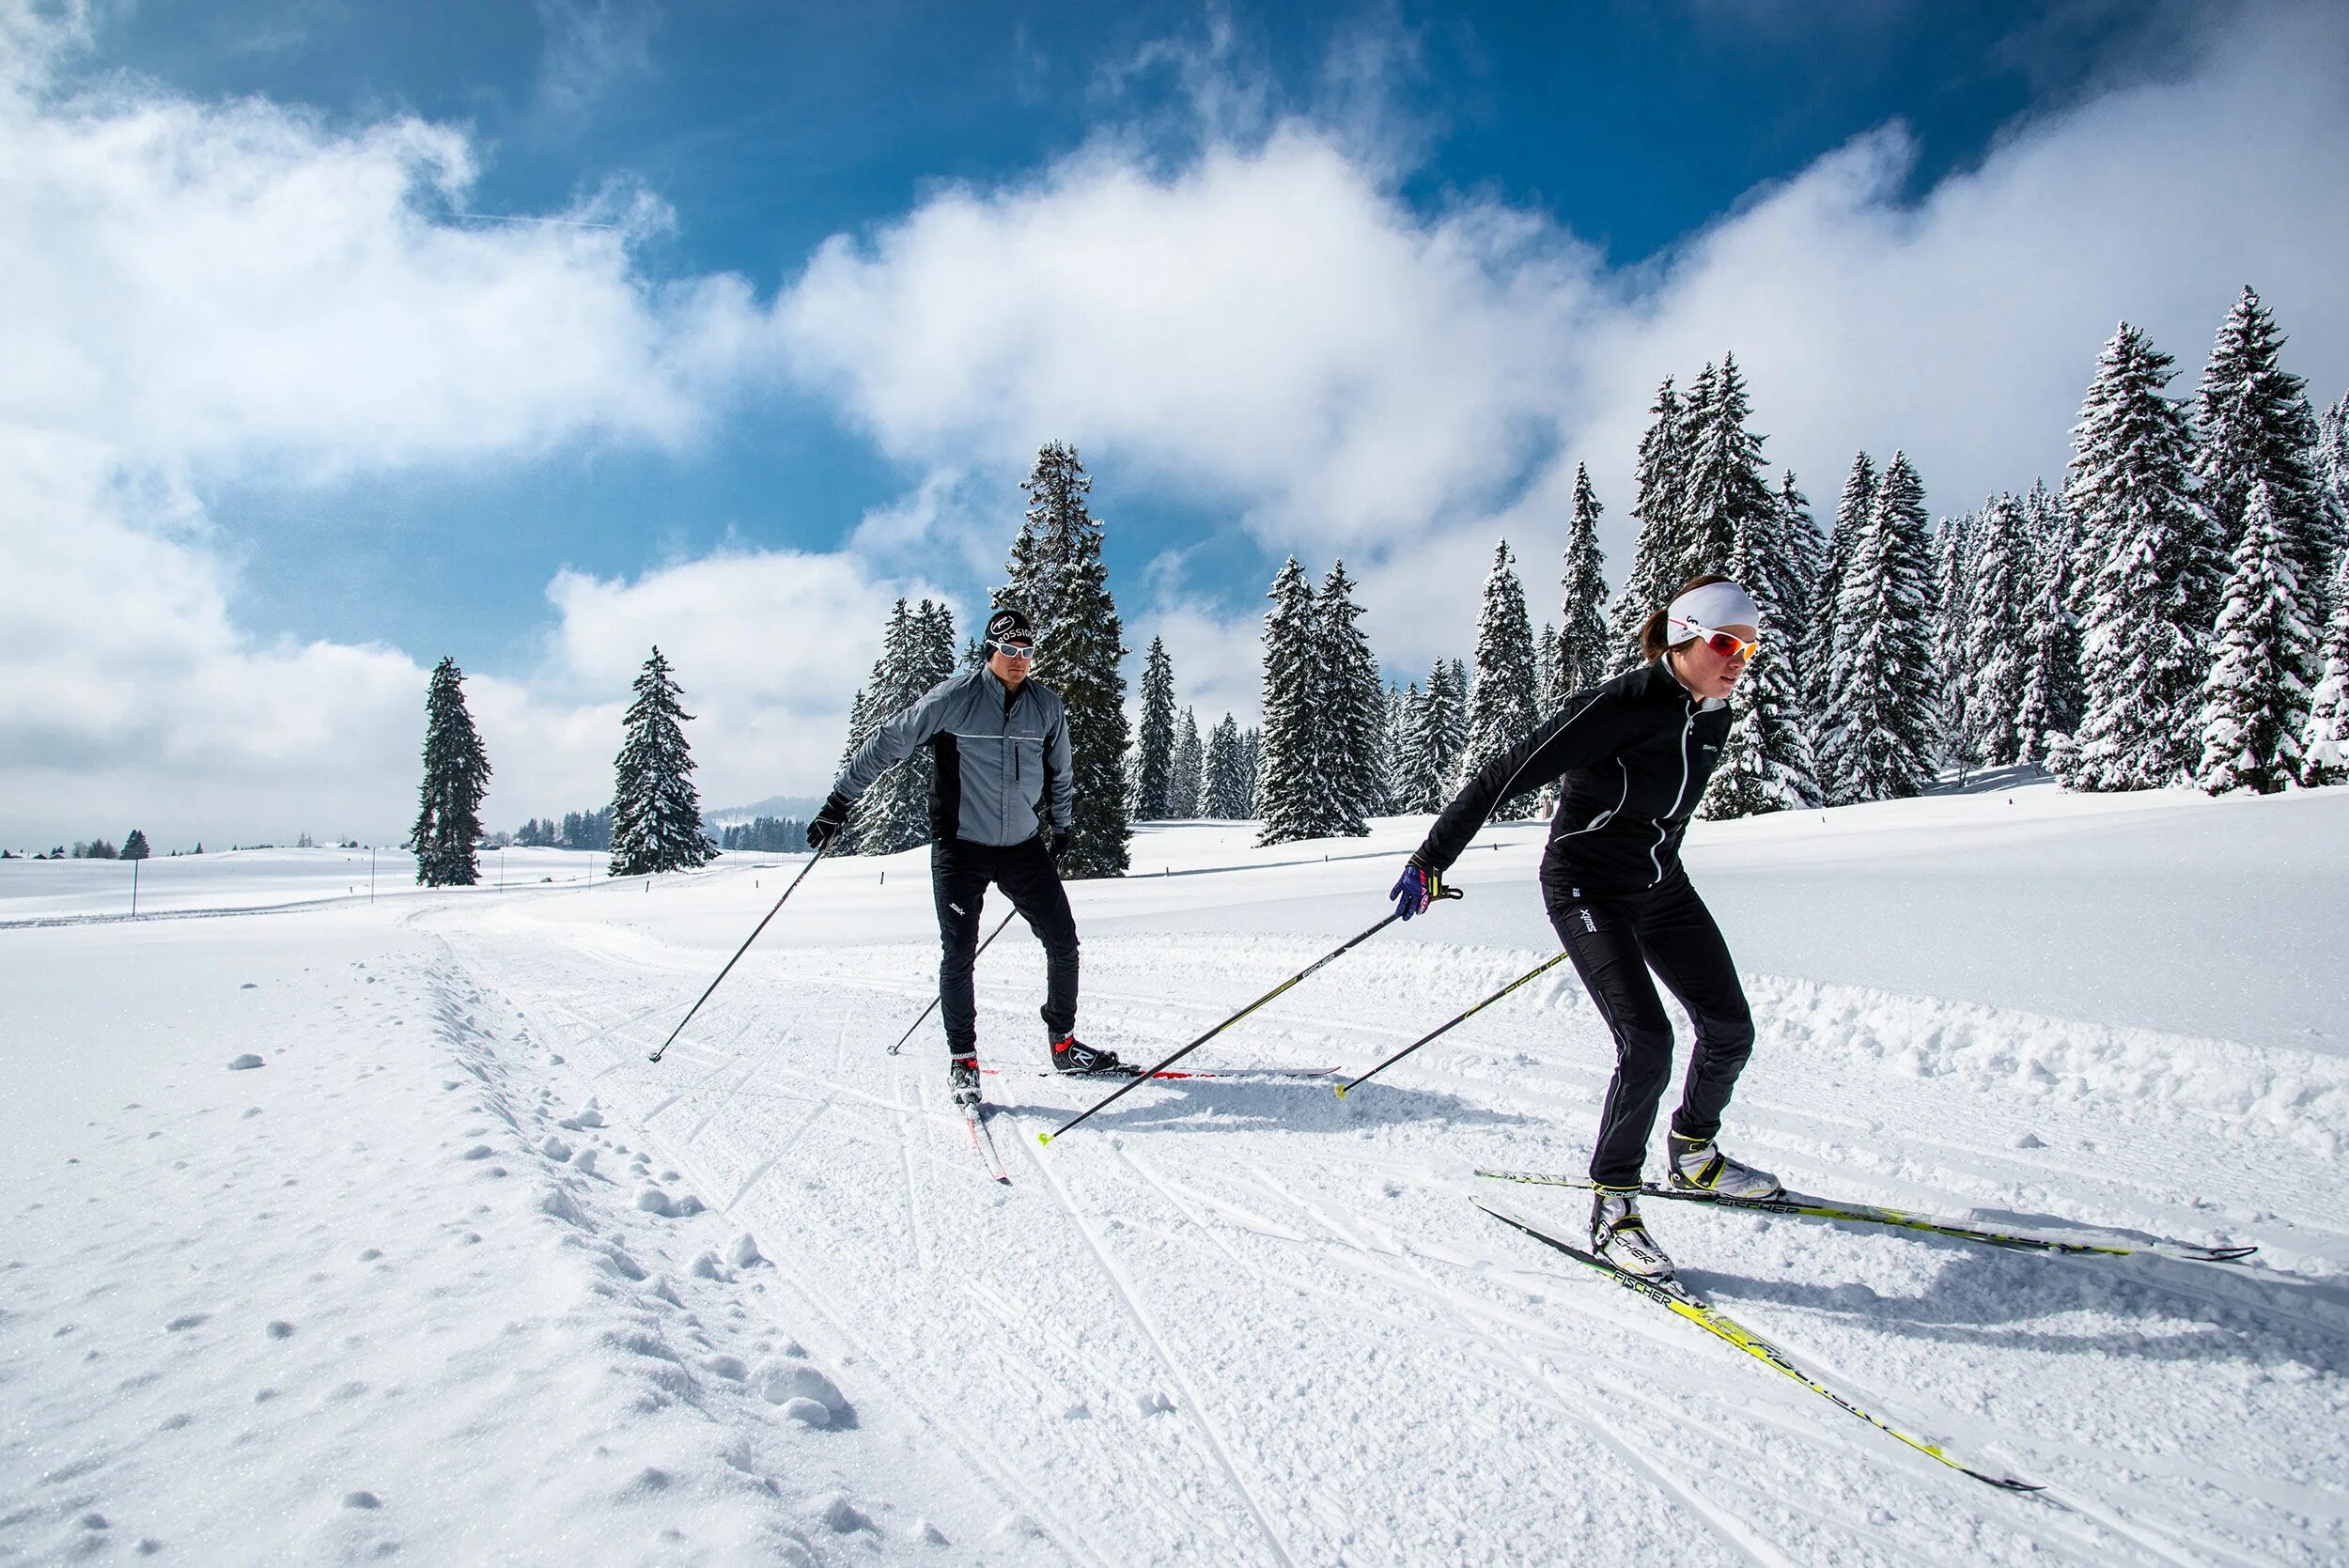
[[455, 1273]]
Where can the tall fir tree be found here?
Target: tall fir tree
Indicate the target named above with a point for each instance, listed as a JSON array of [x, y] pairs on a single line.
[[1584, 657], [1225, 787], [134, 846], [1501, 696], [1807, 551], [1288, 781], [1057, 577], [1827, 733], [1998, 634], [865, 716], [2049, 708], [1410, 774], [2255, 702], [2325, 744], [455, 777], [1766, 763], [1952, 588], [2254, 426], [1550, 669], [1154, 753], [656, 810], [1399, 734], [1724, 493], [1656, 558], [1252, 769], [1885, 680], [2145, 584], [2332, 467], [1186, 777], [1353, 712]]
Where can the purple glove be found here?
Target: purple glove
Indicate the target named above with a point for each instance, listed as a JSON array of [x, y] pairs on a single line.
[[1413, 890]]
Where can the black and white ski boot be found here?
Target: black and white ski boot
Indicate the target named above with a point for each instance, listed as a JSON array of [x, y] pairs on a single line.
[[1698, 1165], [1076, 1058], [1619, 1236], [963, 1079]]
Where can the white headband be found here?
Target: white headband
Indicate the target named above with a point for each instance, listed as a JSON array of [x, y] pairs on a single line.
[[1716, 604]]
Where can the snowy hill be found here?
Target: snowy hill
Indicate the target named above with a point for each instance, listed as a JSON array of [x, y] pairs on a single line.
[[454, 1272]]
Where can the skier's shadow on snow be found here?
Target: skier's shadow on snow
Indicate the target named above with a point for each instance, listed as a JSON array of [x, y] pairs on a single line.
[[1984, 1297], [1207, 1105]]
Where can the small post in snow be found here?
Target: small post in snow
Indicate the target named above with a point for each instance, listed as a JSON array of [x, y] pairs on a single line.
[[135, 890]]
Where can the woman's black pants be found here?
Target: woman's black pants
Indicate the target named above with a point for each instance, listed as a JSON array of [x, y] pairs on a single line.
[[1615, 939]]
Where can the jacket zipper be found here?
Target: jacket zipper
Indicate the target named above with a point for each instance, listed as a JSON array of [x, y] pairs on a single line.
[[1655, 850]]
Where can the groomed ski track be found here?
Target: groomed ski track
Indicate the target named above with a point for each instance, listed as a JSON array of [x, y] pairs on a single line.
[[1245, 1322]]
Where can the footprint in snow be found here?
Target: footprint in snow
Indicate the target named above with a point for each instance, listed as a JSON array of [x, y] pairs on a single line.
[[244, 1063], [362, 1499], [792, 1384], [186, 1320], [653, 1201], [839, 1514]]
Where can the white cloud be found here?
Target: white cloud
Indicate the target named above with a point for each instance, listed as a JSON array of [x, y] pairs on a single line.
[[1269, 327]]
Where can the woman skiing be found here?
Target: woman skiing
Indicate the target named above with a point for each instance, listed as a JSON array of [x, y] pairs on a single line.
[[1634, 753]]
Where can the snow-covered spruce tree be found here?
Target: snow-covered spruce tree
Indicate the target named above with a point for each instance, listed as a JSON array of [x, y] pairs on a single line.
[[1583, 656], [2324, 745], [1057, 577], [1353, 713], [1766, 763], [1886, 679], [917, 652], [1501, 696], [1184, 776], [1724, 490], [1409, 772], [1998, 635], [1656, 560], [134, 846], [1550, 690], [2255, 704], [1251, 768], [1806, 549], [1398, 735], [1828, 735], [2049, 708], [1289, 781], [455, 777], [2332, 465], [2254, 426], [655, 811], [1953, 556], [1153, 751], [2145, 582], [1225, 789], [862, 720]]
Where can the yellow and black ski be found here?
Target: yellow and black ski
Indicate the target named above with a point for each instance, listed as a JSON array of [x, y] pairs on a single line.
[[1687, 1304]]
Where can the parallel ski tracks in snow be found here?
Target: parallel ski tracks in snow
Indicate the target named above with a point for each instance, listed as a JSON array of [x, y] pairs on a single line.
[[1193, 1405]]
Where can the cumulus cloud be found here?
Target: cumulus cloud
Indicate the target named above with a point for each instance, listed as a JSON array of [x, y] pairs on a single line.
[[1269, 326], [209, 290]]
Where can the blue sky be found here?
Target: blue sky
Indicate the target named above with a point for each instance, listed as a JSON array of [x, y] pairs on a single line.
[[531, 334]]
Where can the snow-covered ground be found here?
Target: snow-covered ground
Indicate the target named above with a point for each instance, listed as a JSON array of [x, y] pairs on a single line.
[[456, 1272], [33, 892]]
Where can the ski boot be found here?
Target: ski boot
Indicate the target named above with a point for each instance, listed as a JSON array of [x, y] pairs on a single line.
[[962, 1081], [1619, 1236], [1698, 1165], [1078, 1060]]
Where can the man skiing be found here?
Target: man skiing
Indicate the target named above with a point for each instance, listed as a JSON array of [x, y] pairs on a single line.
[[1634, 753], [1001, 741]]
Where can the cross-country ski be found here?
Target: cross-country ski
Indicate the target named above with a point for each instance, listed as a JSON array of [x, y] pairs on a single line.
[[1696, 1310], [1803, 1204]]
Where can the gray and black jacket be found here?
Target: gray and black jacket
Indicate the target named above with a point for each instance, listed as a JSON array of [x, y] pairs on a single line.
[[999, 763]]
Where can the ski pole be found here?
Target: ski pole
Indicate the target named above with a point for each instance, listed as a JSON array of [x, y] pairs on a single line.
[[1538, 969], [739, 951], [1292, 980], [933, 1006]]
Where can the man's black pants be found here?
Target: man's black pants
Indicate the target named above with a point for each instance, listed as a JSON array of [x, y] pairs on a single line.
[[1615, 940], [959, 873]]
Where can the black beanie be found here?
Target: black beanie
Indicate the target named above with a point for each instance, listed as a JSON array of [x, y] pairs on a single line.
[[1009, 625]]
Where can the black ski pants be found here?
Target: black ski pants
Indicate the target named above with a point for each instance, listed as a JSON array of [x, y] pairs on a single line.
[[960, 871], [1614, 940]]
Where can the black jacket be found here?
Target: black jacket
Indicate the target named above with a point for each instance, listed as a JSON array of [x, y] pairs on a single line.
[[1634, 753]]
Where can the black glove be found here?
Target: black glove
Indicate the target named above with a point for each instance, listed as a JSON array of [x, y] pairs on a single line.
[[1060, 844], [828, 821]]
